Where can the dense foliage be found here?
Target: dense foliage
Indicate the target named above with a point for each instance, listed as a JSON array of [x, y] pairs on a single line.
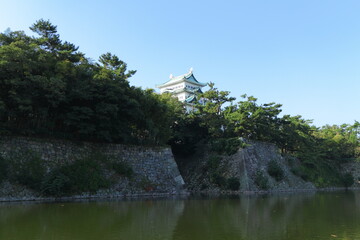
[[50, 88], [88, 173], [274, 169], [261, 180], [83, 175], [219, 120]]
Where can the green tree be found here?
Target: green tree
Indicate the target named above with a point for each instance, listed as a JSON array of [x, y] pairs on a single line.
[[253, 121], [49, 88], [210, 109]]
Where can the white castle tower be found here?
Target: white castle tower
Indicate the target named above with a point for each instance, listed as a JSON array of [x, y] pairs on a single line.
[[184, 87]]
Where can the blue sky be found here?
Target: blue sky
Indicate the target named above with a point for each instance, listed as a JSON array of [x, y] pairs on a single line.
[[302, 54]]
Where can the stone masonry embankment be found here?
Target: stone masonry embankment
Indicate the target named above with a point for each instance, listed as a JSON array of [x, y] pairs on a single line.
[[243, 165], [154, 165]]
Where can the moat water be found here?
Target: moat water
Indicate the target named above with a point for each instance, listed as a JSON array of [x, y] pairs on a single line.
[[331, 215]]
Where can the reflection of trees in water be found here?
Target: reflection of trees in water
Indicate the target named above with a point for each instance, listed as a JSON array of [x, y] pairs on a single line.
[[248, 217], [300, 216], [107, 220], [297, 216], [326, 216]]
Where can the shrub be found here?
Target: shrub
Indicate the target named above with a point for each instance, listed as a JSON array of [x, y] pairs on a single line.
[[275, 170], [233, 183], [83, 175], [300, 172], [217, 179], [214, 162], [217, 145], [203, 186], [227, 145], [3, 169], [86, 174], [320, 182], [261, 180], [213, 169], [56, 184], [27, 168], [357, 153], [122, 168], [347, 180], [146, 184]]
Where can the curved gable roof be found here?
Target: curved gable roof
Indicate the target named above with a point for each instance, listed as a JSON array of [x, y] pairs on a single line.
[[188, 77]]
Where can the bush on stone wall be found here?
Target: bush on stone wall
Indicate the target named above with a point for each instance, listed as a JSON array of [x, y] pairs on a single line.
[[27, 168], [86, 174], [261, 180], [122, 168], [56, 184], [3, 169], [357, 153], [227, 146], [300, 172], [233, 183], [218, 179], [215, 175], [146, 184], [213, 163], [347, 180], [275, 170], [83, 175]]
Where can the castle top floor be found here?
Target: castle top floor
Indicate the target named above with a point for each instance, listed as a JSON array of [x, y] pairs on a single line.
[[183, 83]]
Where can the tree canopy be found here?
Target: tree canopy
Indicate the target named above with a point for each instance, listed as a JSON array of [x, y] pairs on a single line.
[[50, 88], [320, 150]]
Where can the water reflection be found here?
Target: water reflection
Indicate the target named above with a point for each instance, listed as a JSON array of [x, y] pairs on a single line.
[[96, 220], [295, 216], [305, 216]]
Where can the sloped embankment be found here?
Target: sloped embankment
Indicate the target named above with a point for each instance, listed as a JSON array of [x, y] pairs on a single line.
[[249, 166]]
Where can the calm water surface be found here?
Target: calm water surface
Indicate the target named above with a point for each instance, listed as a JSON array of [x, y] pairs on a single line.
[[302, 216]]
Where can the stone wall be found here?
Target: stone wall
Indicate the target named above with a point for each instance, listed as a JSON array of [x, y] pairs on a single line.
[[354, 169], [155, 165], [243, 165], [256, 157]]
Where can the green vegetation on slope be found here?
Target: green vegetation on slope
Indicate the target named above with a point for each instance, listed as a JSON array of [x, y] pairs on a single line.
[[49, 88], [220, 120], [86, 174]]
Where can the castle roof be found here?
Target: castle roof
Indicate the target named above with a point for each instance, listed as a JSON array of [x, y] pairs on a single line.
[[188, 77], [190, 99], [185, 89]]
